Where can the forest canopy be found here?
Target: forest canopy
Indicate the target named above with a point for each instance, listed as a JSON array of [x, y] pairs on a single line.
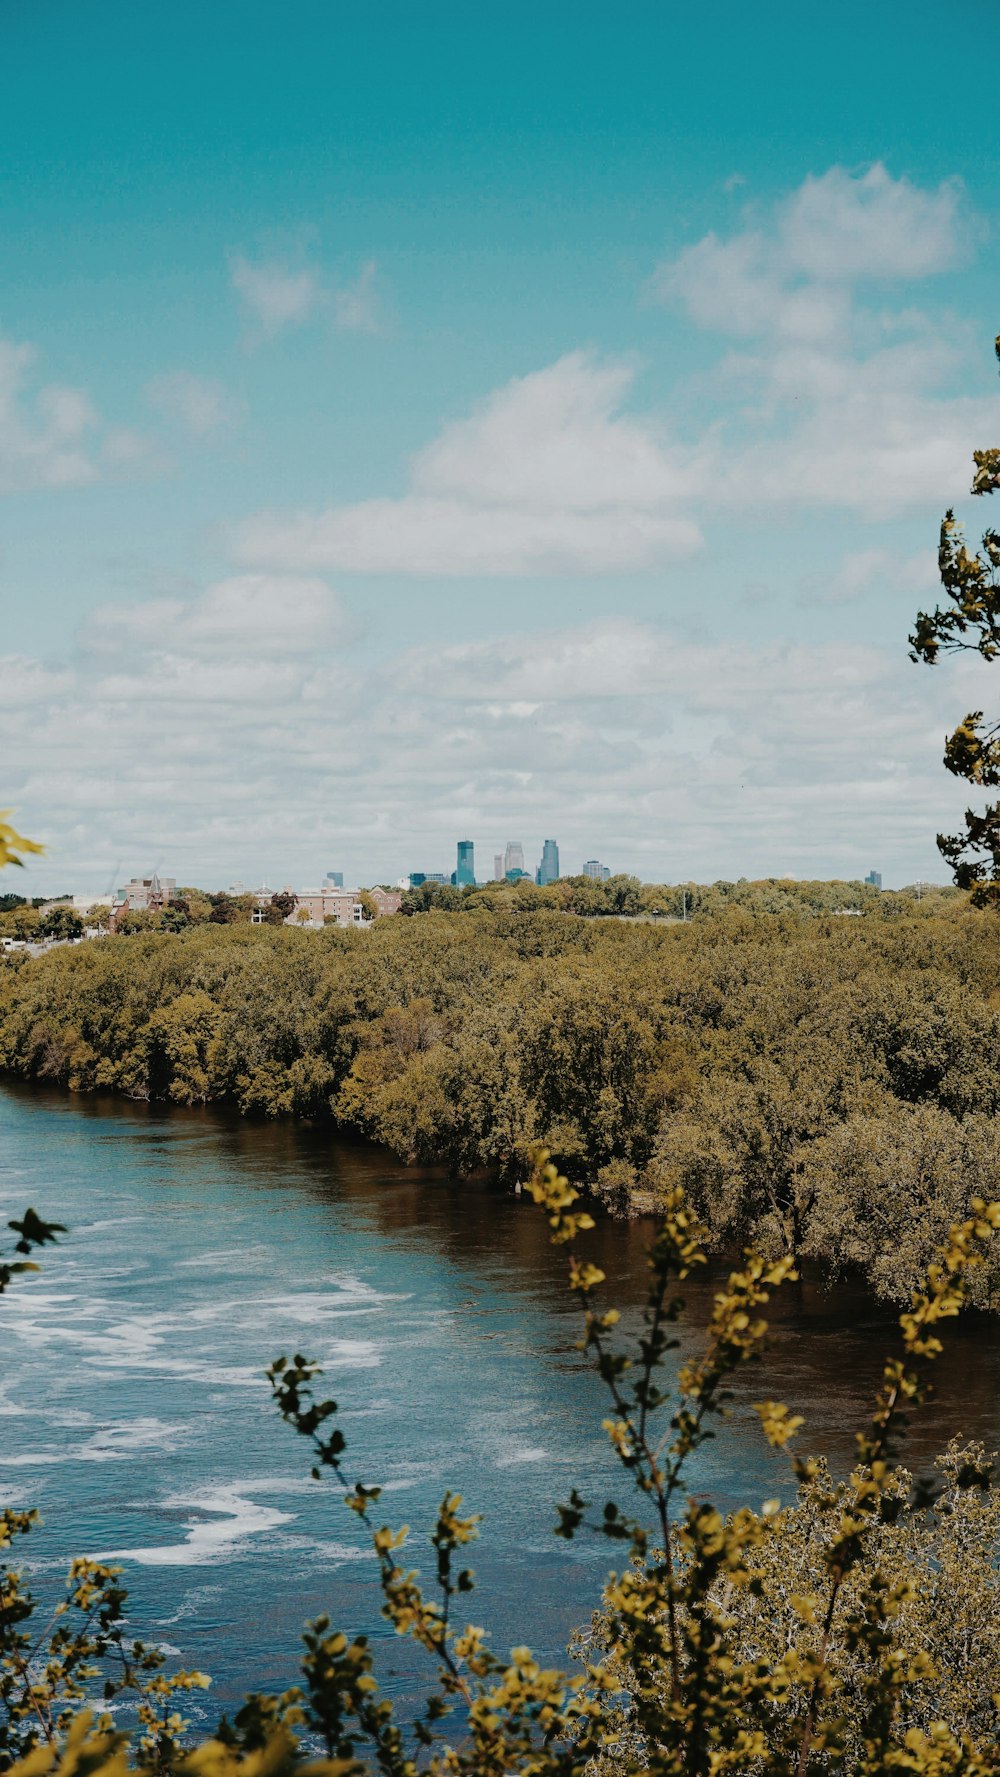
[[825, 1086]]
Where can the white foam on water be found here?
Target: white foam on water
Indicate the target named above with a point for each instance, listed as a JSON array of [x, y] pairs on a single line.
[[118, 1443], [236, 1519], [9, 1409], [108, 1222], [327, 1551], [15, 1496], [185, 1369], [36, 1458], [211, 1260], [353, 1354], [308, 1308], [193, 1602], [532, 1453], [109, 1443]]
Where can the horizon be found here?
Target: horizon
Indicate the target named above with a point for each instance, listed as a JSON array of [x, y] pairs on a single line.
[[407, 422]]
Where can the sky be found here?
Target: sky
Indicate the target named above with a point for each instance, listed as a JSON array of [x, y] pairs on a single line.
[[443, 422]]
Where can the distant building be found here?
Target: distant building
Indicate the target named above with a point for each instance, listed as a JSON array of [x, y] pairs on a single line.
[[513, 857], [874, 879], [498, 866], [146, 891], [314, 907], [596, 870], [143, 894], [517, 876], [386, 900], [548, 869], [465, 869], [342, 907], [80, 903], [335, 878], [416, 877]]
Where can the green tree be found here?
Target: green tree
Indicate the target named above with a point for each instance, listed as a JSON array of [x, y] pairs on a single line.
[[970, 622], [61, 922]]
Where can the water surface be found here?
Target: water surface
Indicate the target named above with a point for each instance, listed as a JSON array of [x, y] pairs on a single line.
[[135, 1415]]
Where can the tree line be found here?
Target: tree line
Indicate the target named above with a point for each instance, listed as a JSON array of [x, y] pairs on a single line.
[[824, 1086]]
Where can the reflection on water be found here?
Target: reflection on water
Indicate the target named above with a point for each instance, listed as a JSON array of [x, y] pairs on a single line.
[[134, 1413]]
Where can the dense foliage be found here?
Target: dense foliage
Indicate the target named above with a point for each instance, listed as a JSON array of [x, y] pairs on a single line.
[[823, 1086]]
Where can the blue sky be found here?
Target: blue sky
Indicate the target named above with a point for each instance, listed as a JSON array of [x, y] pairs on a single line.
[[442, 421]]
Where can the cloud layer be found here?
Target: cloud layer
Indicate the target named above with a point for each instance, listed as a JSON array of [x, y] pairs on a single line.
[[823, 396], [237, 734], [547, 476], [241, 730]]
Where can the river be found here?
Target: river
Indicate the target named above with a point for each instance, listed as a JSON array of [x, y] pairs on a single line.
[[134, 1412]]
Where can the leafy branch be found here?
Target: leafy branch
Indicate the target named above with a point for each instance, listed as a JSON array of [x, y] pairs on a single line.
[[970, 623]]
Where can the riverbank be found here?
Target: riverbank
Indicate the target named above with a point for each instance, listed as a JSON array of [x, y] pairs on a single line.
[[200, 1245], [817, 1085]]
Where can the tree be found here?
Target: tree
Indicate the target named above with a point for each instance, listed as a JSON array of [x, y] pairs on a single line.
[[61, 922], [197, 903], [971, 623], [280, 906], [175, 916], [369, 906]]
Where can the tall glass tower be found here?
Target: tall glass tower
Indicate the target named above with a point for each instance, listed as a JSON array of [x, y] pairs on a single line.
[[548, 869], [465, 869]]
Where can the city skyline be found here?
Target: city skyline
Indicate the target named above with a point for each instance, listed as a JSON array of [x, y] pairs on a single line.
[[479, 442], [333, 881]]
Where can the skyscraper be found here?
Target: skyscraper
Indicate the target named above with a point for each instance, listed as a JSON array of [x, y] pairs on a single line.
[[874, 879], [595, 869], [465, 868], [513, 857], [548, 869], [498, 866]]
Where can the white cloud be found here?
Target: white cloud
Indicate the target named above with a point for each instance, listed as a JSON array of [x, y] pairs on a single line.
[[556, 441], [846, 226], [546, 476], [200, 404], [739, 287], [819, 400], [247, 614], [790, 279], [837, 402], [273, 294], [214, 736], [45, 433], [51, 435], [423, 537], [276, 295]]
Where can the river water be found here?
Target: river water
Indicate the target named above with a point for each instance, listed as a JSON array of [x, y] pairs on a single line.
[[134, 1411]]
